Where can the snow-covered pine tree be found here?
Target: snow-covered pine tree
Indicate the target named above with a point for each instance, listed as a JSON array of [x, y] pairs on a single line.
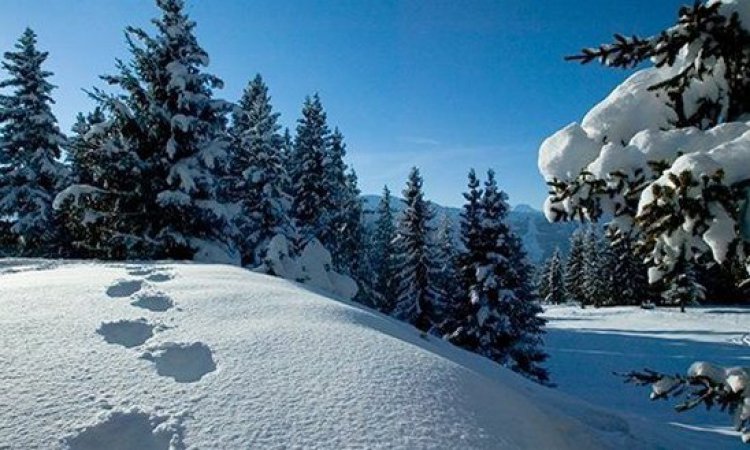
[[448, 275], [683, 289], [595, 284], [574, 267], [666, 160], [310, 193], [384, 254], [471, 218], [417, 300], [31, 173], [555, 279], [170, 132], [630, 281], [91, 215], [256, 175], [527, 325], [349, 249], [542, 278], [502, 316], [343, 228]]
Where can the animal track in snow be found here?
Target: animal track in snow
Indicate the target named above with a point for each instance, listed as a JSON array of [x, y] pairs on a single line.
[[124, 288], [128, 333], [129, 430], [157, 302], [185, 363]]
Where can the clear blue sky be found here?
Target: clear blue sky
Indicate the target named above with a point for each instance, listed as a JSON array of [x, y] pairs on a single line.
[[445, 85]]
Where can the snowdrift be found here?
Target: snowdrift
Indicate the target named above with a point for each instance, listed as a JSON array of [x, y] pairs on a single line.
[[175, 356]]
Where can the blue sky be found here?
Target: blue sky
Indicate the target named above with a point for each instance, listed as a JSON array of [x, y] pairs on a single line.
[[444, 85]]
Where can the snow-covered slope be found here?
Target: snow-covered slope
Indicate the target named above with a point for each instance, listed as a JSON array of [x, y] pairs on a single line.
[[539, 236], [165, 356]]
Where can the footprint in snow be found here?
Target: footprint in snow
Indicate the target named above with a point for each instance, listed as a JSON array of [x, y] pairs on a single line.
[[128, 430], [128, 333], [159, 277], [124, 288], [157, 302], [185, 363]]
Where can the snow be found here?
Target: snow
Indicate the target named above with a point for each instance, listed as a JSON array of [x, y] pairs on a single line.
[[563, 155], [243, 360], [587, 346], [313, 266], [630, 108]]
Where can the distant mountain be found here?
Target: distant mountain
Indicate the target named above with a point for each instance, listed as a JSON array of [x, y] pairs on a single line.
[[540, 238]]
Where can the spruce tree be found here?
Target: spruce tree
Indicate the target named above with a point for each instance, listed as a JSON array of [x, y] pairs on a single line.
[[574, 267], [448, 275], [155, 191], [628, 270], [594, 284], [683, 289], [502, 316], [310, 193], [257, 177], [384, 255], [542, 278], [417, 300], [471, 218], [555, 279], [31, 173]]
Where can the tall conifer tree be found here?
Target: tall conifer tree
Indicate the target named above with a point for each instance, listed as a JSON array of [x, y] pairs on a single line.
[[31, 173]]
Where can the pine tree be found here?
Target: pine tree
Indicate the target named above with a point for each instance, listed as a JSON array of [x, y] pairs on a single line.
[[343, 228], [542, 278], [448, 275], [502, 321], [527, 325], [417, 301], [683, 288], [308, 175], [471, 217], [155, 188], [256, 174], [384, 256], [574, 267], [31, 173], [594, 284], [349, 249], [555, 279], [628, 270]]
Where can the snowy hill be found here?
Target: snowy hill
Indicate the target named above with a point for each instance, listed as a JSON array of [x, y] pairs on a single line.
[[540, 237], [168, 356]]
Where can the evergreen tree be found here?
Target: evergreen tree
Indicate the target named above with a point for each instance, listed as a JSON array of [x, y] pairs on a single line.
[[471, 218], [594, 283], [630, 282], [683, 288], [574, 267], [542, 278], [384, 256], [555, 279], [527, 325], [343, 228], [349, 249], [154, 188], [448, 275], [307, 164], [30, 146], [503, 320], [417, 301], [256, 174]]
